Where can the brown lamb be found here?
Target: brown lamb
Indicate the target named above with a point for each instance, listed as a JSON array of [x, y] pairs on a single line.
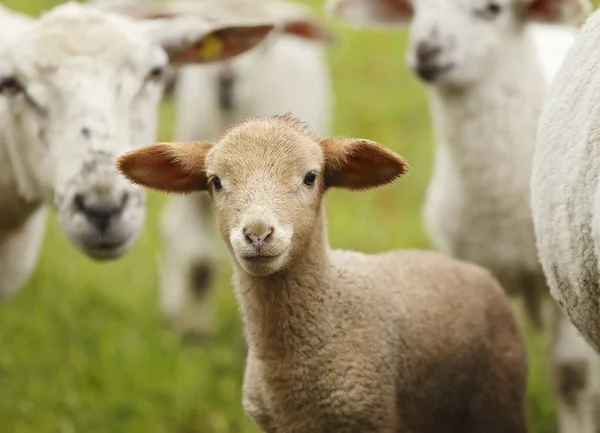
[[339, 341]]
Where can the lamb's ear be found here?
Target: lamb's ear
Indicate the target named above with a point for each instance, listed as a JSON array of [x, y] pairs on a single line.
[[311, 30], [372, 13], [189, 39], [168, 167], [556, 11], [356, 163]]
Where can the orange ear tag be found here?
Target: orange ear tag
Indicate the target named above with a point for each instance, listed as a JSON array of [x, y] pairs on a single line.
[[211, 48]]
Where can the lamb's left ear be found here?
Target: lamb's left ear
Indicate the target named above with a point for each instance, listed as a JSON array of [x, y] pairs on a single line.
[[167, 167], [356, 163], [189, 39], [556, 11]]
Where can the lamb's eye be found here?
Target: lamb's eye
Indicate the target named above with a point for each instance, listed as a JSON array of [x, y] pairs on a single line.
[[309, 178], [156, 73], [9, 86], [490, 11], [216, 183]]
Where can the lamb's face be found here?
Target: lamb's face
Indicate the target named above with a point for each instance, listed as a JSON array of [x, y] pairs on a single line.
[[458, 41], [266, 182], [80, 93]]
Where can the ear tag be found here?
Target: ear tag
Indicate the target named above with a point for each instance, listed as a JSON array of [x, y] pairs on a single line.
[[211, 48]]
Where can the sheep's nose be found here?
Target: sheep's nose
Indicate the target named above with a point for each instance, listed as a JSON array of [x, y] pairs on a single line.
[[427, 52], [100, 216], [258, 240]]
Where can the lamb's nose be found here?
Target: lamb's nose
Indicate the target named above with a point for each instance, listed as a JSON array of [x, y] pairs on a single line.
[[258, 240], [427, 53], [101, 216]]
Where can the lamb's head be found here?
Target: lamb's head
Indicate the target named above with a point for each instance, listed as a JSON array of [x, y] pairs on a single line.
[[266, 178], [458, 42], [83, 86]]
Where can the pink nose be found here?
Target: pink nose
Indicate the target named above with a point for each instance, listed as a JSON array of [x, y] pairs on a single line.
[[258, 240]]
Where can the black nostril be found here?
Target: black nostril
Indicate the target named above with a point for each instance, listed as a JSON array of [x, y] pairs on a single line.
[[100, 217], [427, 53], [86, 132]]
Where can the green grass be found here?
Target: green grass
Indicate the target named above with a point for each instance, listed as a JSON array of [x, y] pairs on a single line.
[[83, 348]]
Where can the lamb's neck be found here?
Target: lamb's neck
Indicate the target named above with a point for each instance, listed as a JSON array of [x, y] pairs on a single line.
[[492, 112], [287, 313]]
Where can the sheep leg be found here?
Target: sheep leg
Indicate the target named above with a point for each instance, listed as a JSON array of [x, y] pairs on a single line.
[[19, 252], [187, 264], [576, 377]]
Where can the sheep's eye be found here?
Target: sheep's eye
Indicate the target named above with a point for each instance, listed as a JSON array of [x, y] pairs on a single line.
[[216, 182], [491, 11], [156, 73], [310, 177], [10, 86]]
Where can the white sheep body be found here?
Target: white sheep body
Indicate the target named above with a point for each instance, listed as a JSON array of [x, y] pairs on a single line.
[[565, 184]]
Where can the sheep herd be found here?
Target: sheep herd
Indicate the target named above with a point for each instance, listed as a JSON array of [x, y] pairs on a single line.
[[407, 341]]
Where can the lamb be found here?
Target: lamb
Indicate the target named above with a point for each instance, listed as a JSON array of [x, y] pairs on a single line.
[[340, 341], [487, 67], [77, 87], [286, 73], [564, 184]]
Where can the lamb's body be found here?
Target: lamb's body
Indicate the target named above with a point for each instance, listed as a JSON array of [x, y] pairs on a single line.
[[565, 184], [477, 208], [287, 73], [443, 364]]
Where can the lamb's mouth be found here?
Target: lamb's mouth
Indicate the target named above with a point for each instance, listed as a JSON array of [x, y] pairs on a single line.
[[261, 258], [430, 72]]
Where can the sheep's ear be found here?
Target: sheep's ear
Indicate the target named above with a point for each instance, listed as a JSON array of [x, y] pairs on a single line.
[[191, 40], [311, 30], [372, 13], [556, 11], [356, 163], [168, 167]]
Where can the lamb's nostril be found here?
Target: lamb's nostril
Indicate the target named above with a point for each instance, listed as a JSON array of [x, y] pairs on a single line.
[[86, 132], [258, 240], [427, 53]]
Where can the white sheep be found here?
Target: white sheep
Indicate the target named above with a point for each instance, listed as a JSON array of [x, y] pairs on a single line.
[[564, 183], [340, 341], [77, 87], [488, 67], [288, 72]]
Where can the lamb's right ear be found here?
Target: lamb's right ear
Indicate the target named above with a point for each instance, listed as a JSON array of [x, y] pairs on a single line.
[[168, 167], [372, 13], [356, 163]]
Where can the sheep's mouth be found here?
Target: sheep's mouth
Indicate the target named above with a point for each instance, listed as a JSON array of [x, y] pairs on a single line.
[[431, 72], [261, 258]]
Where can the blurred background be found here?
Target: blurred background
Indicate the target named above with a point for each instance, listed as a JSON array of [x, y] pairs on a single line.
[[83, 346]]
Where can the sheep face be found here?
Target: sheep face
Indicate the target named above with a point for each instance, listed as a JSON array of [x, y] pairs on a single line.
[[266, 178], [458, 42], [80, 88]]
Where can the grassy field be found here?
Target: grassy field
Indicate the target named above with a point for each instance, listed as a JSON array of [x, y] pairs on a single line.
[[83, 348]]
